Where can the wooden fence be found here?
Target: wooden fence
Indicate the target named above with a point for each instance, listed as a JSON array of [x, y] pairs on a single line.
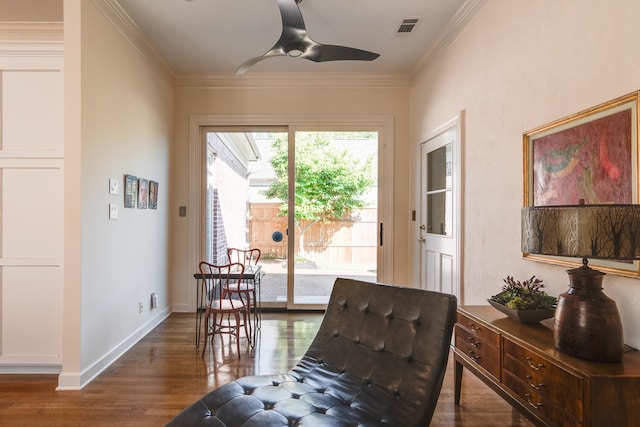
[[334, 243]]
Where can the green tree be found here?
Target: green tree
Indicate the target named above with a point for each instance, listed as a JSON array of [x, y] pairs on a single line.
[[330, 183]]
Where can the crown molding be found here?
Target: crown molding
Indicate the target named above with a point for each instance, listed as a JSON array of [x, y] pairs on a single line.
[[32, 31], [294, 80], [31, 48], [32, 45], [112, 10], [455, 28]]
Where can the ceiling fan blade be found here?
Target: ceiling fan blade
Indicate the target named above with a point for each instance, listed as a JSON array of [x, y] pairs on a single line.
[[251, 62], [294, 41], [326, 52], [293, 34], [291, 16]]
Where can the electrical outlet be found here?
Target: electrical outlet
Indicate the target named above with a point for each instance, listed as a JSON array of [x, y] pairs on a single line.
[[154, 301], [113, 211], [140, 306]]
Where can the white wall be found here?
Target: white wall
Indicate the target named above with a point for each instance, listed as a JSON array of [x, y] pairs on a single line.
[[518, 66], [125, 120]]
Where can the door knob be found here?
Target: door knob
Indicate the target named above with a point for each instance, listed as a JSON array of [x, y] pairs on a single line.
[[421, 239]]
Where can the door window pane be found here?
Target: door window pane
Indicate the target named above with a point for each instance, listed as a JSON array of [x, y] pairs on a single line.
[[439, 194]]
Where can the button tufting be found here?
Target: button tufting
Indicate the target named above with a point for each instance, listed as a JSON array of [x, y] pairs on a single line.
[[339, 390]]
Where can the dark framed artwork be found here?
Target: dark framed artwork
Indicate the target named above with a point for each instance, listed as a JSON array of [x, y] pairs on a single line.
[[153, 195], [143, 193], [130, 191], [591, 156]]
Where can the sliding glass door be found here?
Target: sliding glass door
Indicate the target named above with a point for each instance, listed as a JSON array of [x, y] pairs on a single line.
[[335, 212], [307, 199]]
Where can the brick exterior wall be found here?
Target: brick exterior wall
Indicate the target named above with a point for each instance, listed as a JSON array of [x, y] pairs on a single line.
[[227, 213]]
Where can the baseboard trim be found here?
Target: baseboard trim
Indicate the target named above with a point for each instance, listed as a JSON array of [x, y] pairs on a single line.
[[30, 370], [77, 380]]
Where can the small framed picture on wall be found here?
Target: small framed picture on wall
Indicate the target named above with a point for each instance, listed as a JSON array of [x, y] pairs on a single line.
[[153, 195], [130, 191], [143, 193]]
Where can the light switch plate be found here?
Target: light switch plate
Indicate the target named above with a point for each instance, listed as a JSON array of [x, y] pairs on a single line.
[[113, 211], [113, 186]]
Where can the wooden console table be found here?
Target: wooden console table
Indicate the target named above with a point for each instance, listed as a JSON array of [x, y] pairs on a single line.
[[520, 363]]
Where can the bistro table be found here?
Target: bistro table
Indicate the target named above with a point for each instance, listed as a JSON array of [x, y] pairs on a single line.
[[252, 273]]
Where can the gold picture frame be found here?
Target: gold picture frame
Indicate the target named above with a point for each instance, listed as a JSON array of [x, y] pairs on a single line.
[[591, 156]]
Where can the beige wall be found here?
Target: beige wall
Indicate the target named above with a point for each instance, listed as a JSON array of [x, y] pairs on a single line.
[[31, 10], [315, 100], [119, 118], [518, 66]]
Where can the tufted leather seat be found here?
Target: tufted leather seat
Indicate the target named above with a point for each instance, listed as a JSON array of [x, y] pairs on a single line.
[[378, 359]]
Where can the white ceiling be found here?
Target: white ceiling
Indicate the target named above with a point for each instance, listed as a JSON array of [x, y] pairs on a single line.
[[213, 37]]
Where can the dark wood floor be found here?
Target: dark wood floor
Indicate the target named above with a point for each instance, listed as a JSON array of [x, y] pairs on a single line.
[[164, 373]]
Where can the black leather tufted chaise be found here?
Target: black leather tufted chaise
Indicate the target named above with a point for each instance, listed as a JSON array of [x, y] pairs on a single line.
[[378, 359]]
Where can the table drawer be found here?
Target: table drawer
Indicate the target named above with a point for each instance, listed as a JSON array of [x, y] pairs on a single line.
[[542, 377], [479, 351], [479, 330], [538, 403]]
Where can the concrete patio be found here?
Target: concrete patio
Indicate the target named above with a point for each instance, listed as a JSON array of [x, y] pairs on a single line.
[[312, 285]]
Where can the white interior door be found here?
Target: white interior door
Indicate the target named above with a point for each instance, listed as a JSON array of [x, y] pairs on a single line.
[[440, 213]]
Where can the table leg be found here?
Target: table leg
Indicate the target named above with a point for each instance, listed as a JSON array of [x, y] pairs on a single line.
[[258, 283], [199, 307], [457, 375]]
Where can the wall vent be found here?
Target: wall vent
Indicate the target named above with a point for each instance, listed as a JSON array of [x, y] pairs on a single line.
[[408, 25]]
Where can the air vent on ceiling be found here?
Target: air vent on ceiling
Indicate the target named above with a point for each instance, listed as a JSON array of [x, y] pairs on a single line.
[[408, 25]]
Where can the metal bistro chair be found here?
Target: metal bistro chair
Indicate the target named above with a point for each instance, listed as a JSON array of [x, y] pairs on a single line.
[[245, 289], [220, 305]]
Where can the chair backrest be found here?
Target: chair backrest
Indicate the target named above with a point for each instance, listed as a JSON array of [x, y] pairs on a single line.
[[244, 256], [392, 340], [216, 276]]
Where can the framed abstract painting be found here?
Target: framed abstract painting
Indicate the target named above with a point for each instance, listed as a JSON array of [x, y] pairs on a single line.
[[590, 157]]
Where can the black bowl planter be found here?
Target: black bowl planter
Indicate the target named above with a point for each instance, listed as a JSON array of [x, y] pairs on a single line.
[[524, 316]]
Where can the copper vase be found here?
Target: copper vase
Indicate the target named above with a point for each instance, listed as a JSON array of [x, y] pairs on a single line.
[[587, 322]]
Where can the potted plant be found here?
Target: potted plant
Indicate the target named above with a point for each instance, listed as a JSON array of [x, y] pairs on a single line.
[[524, 301]]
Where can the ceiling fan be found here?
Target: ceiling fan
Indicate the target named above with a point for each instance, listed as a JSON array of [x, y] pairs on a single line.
[[295, 42]]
